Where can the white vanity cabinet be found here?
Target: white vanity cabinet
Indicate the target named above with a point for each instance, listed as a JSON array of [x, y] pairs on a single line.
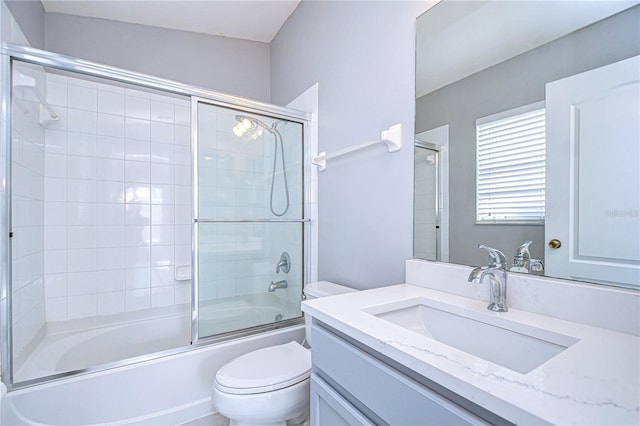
[[350, 385], [328, 407]]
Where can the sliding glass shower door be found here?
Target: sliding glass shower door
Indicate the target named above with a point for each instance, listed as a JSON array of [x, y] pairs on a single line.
[[109, 258], [248, 219]]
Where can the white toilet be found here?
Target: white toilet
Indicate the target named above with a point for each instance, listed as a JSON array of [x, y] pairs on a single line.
[[270, 386]]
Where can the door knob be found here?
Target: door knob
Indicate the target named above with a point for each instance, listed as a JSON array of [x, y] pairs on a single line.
[[555, 244]]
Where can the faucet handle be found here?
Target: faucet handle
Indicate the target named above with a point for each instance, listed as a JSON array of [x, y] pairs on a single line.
[[522, 257], [523, 250], [536, 265], [496, 257]]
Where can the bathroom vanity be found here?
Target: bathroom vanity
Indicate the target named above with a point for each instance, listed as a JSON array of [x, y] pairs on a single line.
[[351, 384], [407, 354]]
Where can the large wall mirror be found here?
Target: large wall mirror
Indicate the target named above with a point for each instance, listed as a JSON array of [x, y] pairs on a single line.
[[528, 137]]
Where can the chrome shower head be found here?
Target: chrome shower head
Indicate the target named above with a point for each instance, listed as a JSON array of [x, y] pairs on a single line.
[[246, 127], [250, 125]]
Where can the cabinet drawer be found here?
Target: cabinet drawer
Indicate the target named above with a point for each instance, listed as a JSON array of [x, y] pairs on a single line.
[[391, 395], [329, 408]]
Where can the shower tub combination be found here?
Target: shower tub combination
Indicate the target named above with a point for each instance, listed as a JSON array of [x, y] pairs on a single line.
[[83, 344], [167, 390], [127, 290]]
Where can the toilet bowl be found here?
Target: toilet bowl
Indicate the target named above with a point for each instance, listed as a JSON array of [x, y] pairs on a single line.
[[270, 386]]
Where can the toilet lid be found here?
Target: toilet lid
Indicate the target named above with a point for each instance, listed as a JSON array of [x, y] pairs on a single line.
[[265, 370]]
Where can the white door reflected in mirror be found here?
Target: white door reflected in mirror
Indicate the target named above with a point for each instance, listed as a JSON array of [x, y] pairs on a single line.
[[593, 149]]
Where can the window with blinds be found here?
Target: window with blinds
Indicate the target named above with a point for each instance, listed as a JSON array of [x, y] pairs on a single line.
[[510, 158]]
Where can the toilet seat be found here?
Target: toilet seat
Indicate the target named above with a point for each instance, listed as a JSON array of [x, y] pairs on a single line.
[[265, 370]]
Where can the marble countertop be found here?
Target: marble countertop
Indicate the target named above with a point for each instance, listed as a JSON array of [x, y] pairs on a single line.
[[595, 381]]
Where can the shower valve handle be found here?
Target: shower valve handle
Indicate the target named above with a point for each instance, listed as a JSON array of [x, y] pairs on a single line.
[[284, 263]]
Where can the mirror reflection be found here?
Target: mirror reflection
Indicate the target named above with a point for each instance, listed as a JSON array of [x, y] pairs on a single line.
[[527, 137]]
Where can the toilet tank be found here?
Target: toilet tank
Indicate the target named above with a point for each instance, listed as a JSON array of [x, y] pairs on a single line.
[[321, 289]]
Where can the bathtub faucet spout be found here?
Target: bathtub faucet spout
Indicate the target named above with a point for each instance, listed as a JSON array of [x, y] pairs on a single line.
[[279, 284]]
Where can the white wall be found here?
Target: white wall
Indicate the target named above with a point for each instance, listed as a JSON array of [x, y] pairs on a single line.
[[228, 65], [362, 56], [118, 199], [30, 16]]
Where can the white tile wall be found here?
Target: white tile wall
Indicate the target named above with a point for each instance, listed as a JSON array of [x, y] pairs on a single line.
[[29, 169], [110, 193], [116, 199]]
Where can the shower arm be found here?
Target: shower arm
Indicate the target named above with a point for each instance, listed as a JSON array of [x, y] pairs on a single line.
[[271, 129]]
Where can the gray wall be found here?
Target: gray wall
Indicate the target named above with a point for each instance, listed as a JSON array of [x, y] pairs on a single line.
[[362, 55], [518, 81], [227, 65], [29, 14]]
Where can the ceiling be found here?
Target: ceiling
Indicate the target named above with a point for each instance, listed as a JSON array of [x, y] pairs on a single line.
[[456, 39], [243, 19]]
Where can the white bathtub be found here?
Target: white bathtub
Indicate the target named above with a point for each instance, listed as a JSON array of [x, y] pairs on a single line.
[[165, 391], [221, 316], [169, 390], [90, 342]]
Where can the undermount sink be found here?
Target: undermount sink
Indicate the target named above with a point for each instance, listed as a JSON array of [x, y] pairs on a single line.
[[510, 344]]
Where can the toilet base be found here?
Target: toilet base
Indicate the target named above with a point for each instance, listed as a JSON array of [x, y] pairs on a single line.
[[283, 407], [235, 423], [302, 420]]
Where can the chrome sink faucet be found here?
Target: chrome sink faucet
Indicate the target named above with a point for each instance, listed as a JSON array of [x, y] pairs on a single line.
[[522, 261], [496, 273]]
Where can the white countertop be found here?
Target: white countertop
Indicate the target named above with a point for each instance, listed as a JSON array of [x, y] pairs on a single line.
[[595, 381]]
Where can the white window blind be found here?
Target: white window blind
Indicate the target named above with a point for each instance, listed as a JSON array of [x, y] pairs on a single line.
[[510, 181]]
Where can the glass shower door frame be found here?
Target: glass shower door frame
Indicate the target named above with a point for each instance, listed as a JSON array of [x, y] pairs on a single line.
[[197, 220], [437, 199], [47, 59]]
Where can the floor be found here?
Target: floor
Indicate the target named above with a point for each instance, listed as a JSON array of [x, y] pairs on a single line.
[[210, 420], [219, 420]]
